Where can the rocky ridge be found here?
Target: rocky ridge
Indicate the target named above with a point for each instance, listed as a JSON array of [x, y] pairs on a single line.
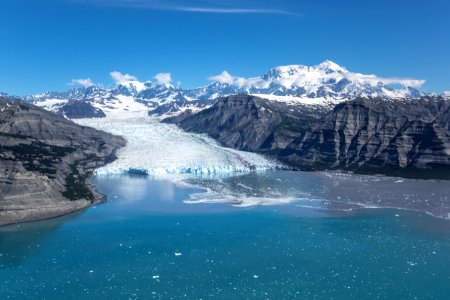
[[405, 137], [45, 162]]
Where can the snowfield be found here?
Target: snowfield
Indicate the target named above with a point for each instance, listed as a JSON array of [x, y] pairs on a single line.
[[291, 100], [160, 149]]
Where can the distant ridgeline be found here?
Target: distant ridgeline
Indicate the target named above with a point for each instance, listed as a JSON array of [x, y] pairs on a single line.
[[321, 85]]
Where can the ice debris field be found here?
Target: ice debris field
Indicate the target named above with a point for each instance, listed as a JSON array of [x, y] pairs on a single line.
[[159, 149]]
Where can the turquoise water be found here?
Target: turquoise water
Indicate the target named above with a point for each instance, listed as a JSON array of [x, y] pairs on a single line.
[[146, 243]]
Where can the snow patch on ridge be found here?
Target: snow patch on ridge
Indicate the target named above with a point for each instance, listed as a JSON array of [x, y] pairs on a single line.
[[121, 107], [51, 104], [291, 100]]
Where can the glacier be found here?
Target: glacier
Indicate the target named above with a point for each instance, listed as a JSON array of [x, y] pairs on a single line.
[[159, 149]]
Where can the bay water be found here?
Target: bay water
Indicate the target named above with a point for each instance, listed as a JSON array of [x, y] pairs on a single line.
[[269, 235]]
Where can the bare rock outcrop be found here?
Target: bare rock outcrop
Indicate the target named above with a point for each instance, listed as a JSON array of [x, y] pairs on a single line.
[[401, 137], [407, 137], [45, 161]]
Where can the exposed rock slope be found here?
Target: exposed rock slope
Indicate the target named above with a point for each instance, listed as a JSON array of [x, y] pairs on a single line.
[[75, 109], [251, 123], [45, 161], [398, 137], [406, 137]]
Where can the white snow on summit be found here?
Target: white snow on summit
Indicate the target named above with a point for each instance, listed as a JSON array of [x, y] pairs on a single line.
[[128, 81], [327, 79]]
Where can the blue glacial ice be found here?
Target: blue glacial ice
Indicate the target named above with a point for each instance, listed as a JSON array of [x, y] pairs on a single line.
[[159, 149]]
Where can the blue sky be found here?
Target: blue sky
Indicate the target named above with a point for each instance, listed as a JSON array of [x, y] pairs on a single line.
[[47, 43]]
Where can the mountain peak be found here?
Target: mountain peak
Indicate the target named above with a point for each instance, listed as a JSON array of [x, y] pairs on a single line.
[[287, 71], [284, 71], [329, 65], [133, 85]]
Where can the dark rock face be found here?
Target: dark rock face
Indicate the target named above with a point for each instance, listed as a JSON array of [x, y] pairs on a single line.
[[250, 123], [394, 137], [75, 109], [45, 161], [179, 105]]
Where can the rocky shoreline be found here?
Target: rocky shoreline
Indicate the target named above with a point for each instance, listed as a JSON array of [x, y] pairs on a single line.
[[46, 161]]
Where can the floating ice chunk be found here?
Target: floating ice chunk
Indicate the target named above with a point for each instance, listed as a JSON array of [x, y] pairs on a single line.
[[177, 253], [241, 201]]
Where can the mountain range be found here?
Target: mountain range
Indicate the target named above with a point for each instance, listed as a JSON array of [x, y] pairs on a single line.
[[323, 84]]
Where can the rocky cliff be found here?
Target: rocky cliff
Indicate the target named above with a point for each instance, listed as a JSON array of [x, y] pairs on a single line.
[[405, 137], [75, 109], [251, 123], [45, 161], [408, 137]]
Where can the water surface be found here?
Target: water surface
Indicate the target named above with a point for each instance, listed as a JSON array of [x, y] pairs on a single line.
[[146, 242]]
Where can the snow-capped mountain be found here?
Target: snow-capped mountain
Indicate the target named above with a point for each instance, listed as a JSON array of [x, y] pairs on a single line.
[[326, 80], [154, 94], [297, 84], [126, 96]]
